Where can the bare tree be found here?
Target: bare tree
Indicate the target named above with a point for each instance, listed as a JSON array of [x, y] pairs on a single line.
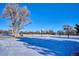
[[67, 29], [19, 17]]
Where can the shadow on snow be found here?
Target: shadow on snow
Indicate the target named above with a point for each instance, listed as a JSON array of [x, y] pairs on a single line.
[[52, 47]]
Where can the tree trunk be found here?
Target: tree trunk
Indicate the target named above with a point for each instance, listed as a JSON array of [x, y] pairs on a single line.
[[68, 35], [17, 32]]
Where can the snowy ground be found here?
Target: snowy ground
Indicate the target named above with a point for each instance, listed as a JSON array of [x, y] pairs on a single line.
[[54, 37], [49, 36], [11, 47], [38, 45]]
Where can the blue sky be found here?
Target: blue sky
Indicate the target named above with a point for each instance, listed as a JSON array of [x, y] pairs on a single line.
[[47, 16]]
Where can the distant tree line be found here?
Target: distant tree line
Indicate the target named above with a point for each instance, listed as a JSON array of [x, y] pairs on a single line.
[[66, 30], [40, 32]]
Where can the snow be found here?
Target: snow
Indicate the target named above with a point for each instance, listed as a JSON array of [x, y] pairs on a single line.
[[54, 37], [53, 46], [11, 47], [48, 35], [38, 45], [42, 50]]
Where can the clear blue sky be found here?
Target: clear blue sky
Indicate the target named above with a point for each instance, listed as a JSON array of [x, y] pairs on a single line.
[[47, 16]]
